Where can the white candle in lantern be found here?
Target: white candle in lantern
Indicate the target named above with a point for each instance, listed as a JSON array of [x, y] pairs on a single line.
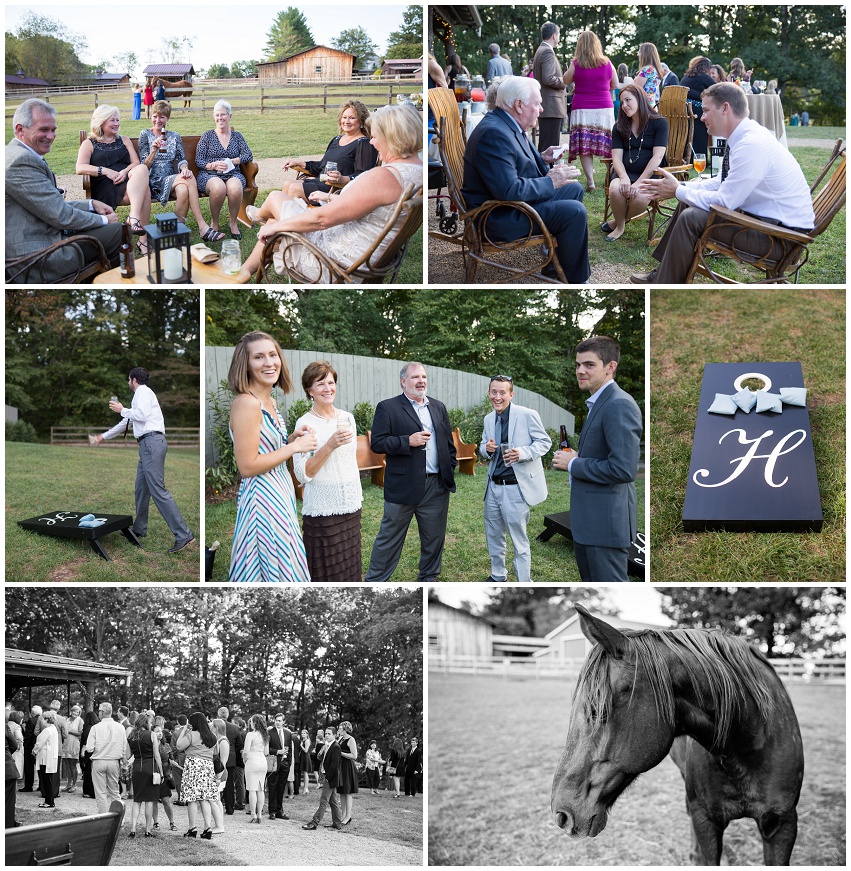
[[172, 264]]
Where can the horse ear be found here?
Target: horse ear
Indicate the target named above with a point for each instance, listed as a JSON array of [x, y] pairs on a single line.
[[600, 632]]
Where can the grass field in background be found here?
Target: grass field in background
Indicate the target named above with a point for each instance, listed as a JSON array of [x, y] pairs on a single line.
[[42, 478], [689, 329], [512, 751], [465, 557]]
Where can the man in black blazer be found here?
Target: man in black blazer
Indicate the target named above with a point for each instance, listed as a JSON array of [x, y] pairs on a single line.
[[331, 768], [500, 163], [235, 742], [414, 433], [280, 743]]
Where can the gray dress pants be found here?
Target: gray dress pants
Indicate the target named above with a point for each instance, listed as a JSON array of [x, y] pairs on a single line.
[[150, 484]]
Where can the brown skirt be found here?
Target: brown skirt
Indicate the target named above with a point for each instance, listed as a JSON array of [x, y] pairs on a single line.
[[333, 547]]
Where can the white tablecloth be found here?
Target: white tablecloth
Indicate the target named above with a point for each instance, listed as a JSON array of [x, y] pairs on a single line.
[[766, 109]]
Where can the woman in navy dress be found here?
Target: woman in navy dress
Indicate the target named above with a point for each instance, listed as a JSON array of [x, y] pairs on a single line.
[[219, 155], [348, 783], [144, 745]]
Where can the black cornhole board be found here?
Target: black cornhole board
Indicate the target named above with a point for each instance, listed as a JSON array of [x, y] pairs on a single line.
[[560, 523], [63, 524], [752, 501]]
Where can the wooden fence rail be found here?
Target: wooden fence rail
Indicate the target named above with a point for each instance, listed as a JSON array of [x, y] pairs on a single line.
[[803, 670], [373, 92], [78, 436]]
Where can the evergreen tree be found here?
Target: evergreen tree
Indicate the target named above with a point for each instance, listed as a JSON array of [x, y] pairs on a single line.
[[288, 35]]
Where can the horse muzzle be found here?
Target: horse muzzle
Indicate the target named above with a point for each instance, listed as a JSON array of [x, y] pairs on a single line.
[[584, 827]]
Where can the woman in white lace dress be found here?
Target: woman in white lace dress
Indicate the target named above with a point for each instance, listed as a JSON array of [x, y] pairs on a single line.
[[348, 224], [331, 512]]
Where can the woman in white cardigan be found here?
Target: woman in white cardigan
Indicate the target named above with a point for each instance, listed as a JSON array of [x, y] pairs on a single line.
[[331, 513], [46, 752]]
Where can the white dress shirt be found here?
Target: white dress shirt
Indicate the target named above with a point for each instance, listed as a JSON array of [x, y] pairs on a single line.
[[764, 180], [590, 403], [144, 412], [424, 414]]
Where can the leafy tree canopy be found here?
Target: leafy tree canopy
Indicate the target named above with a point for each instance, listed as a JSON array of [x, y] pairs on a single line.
[[44, 48], [356, 41]]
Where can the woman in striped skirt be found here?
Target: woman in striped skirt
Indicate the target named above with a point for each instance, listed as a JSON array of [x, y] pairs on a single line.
[[267, 543]]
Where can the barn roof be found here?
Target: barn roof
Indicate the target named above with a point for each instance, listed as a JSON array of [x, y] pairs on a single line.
[[25, 668], [464, 612], [21, 79], [169, 70], [306, 51], [110, 77]]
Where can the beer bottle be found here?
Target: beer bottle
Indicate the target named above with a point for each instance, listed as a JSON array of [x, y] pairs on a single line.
[[563, 443], [125, 253]]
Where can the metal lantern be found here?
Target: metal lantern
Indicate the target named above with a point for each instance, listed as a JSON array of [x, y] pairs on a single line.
[[716, 158], [169, 260]]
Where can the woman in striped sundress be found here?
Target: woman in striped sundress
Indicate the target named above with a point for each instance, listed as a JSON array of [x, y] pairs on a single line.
[[267, 543]]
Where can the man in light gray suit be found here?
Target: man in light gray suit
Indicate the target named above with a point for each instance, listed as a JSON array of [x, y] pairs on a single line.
[[514, 440], [37, 215], [603, 515]]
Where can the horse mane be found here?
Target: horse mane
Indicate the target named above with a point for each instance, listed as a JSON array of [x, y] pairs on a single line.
[[720, 666]]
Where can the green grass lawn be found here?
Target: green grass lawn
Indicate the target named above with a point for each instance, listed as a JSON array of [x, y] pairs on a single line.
[[48, 478], [648, 826], [811, 132], [465, 557], [688, 329]]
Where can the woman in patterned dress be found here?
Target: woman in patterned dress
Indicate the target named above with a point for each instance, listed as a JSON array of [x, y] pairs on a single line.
[[649, 77], [331, 511], [267, 543], [199, 785], [160, 150], [218, 157]]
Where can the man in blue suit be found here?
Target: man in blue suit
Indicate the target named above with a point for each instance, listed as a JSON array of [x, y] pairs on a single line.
[[603, 514], [513, 442], [500, 163]]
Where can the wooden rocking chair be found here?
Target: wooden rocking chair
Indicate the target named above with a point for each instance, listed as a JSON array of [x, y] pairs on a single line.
[[790, 250], [476, 246], [372, 267], [27, 269]]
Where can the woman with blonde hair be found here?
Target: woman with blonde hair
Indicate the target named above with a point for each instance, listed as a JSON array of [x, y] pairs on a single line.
[[350, 151], [117, 176], [46, 752], [649, 77], [348, 780], [346, 227], [331, 510], [254, 753], [267, 544], [591, 113]]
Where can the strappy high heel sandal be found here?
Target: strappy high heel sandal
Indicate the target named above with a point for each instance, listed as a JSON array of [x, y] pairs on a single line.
[[136, 227], [192, 833], [207, 834]]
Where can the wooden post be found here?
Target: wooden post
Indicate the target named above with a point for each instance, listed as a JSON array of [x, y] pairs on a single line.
[[261, 100], [325, 99]]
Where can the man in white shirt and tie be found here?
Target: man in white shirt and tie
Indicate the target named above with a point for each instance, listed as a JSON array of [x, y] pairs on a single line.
[[759, 177], [149, 431]]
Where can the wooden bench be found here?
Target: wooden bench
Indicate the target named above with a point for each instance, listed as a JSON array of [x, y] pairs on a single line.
[[368, 461], [190, 146], [466, 454], [87, 840]]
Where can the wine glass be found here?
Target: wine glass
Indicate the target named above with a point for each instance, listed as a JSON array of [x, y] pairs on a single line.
[[699, 163]]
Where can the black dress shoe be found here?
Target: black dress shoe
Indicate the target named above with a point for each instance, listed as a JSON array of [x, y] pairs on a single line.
[[311, 826], [25, 790], [280, 816], [643, 277]]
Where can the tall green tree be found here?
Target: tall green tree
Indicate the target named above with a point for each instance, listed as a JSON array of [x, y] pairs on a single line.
[[407, 41], [356, 41], [288, 35], [45, 48]]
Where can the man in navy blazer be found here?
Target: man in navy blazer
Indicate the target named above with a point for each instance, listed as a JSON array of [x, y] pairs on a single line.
[[280, 745], [603, 512], [414, 434], [500, 163]]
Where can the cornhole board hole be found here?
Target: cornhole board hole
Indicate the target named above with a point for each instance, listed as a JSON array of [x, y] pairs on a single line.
[[754, 471], [560, 523], [63, 524]]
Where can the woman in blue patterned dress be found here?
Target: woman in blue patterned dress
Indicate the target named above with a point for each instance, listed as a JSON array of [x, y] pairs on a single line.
[[162, 152], [267, 543], [218, 157]]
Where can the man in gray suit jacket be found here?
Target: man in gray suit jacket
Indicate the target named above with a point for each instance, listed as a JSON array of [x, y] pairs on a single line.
[[547, 70], [514, 440], [37, 215], [603, 514]]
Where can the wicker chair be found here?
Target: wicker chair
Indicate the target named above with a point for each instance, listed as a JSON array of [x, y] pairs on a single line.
[[677, 111], [790, 250], [27, 269], [477, 247], [365, 269]]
